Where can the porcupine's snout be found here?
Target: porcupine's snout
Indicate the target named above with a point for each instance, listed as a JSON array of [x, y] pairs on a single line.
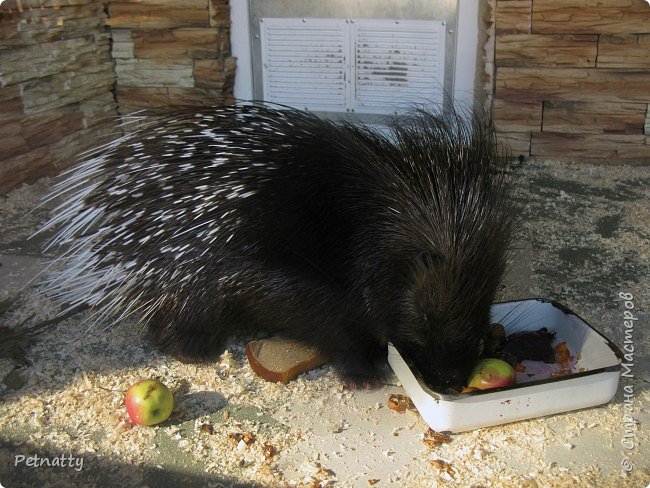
[[465, 223], [444, 364]]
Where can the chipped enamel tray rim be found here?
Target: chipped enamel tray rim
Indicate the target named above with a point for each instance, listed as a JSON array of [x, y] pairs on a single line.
[[461, 412]]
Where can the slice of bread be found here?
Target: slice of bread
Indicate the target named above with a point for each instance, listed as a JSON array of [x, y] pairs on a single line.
[[282, 360]]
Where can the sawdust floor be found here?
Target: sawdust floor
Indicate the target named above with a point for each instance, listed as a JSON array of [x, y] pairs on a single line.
[[585, 238]]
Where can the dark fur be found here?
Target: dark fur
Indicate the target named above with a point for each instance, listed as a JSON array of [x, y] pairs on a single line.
[[350, 240]]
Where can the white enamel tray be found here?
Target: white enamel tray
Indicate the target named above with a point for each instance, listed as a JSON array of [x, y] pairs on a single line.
[[597, 364]]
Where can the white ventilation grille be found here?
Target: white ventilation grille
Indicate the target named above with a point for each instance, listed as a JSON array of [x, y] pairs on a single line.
[[366, 66], [397, 63], [305, 62]]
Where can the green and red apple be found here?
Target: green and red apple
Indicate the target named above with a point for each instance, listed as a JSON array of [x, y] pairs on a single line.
[[149, 402], [491, 373]]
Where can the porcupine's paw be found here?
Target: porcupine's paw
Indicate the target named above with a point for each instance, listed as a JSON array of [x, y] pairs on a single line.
[[190, 343], [364, 382], [185, 354], [362, 376]]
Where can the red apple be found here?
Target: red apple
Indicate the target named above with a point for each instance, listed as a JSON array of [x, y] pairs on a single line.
[[491, 373], [149, 402]]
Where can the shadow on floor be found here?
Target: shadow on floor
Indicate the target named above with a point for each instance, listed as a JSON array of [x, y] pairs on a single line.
[[86, 470]]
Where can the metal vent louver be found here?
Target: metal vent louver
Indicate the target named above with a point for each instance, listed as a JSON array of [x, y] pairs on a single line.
[[397, 63], [305, 62], [366, 66]]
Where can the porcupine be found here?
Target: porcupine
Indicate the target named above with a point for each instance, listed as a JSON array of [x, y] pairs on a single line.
[[329, 233]]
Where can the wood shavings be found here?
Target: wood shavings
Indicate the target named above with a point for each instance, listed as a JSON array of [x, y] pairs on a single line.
[[433, 439], [398, 402], [443, 466]]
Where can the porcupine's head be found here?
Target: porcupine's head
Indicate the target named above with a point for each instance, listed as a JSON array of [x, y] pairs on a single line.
[[455, 222]]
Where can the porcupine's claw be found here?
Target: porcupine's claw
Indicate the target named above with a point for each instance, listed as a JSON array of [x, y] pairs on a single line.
[[363, 382]]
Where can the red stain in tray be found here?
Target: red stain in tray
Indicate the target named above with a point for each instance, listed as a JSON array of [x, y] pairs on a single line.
[[506, 402]]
